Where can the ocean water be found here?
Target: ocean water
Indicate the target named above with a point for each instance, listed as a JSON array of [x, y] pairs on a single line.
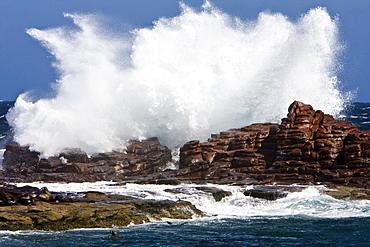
[[184, 78], [358, 114], [5, 130], [307, 218], [258, 231]]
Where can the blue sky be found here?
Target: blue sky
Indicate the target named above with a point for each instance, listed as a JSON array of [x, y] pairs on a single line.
[[25, 65]]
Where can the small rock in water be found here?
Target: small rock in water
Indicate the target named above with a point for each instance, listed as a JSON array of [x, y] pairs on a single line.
[[271, 192], [114, 234]]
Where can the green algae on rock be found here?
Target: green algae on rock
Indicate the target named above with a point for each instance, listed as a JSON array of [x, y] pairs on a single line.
[[71, 215], [347, 192]]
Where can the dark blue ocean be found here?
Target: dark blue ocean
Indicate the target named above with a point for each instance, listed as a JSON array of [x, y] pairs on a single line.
[[284, 231], [305, 219], [5, 131]]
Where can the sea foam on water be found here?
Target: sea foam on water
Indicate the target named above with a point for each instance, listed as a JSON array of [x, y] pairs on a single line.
[[183, 78], [311, 201]]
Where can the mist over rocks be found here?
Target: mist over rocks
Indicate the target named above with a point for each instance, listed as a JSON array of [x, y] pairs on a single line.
[[141, 158], [164, 80], [307, 147]]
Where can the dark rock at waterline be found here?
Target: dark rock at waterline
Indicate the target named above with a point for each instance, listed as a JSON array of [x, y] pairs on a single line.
[[12, 195], [308, 146], [218, 194], [83, 210], [346, 192], [271, 192]]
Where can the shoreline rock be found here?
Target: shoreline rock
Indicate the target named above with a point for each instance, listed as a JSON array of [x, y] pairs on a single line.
[[89, 210], [307, 147], [346, 192]]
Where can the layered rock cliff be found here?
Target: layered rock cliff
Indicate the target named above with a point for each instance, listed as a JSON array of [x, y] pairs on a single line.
[[140, 158], [308, 146]]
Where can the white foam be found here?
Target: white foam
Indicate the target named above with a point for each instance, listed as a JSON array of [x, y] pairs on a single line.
[[2, 151], [183, 78], [310, 202]]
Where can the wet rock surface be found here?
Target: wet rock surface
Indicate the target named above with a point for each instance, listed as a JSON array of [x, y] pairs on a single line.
[[308, 147], [93, 209], [271, 193], [217, 193], [12, 195], [347, 192], [86, 210]]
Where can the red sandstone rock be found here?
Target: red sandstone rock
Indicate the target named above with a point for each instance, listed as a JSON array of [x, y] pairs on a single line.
[[142, 158], [307, 147]]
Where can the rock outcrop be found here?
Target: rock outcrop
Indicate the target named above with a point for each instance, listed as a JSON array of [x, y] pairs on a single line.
[[232, 155], [271, 193], [89, 210], [141, 158], [13, 195], [308, 146]]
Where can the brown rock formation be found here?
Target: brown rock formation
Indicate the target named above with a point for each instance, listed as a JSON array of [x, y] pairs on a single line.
[[235, 154], [19, 160], [90, 210], [141, 158], [307, 147], [11, 195]]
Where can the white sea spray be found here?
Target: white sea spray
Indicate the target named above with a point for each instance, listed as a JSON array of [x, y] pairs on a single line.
[[310, 202], [183, 78]]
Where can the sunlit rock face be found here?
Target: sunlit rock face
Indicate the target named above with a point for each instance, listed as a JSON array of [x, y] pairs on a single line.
[[308, 146]]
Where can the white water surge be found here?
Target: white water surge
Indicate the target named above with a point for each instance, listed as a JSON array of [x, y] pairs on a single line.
[[2, 151], [183, 78], [310, 202]]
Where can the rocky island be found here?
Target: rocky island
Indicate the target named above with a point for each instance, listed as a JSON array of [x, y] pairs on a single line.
[[308, 147]]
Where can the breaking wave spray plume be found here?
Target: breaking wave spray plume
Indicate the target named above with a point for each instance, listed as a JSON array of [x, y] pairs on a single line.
[[183, 78]]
